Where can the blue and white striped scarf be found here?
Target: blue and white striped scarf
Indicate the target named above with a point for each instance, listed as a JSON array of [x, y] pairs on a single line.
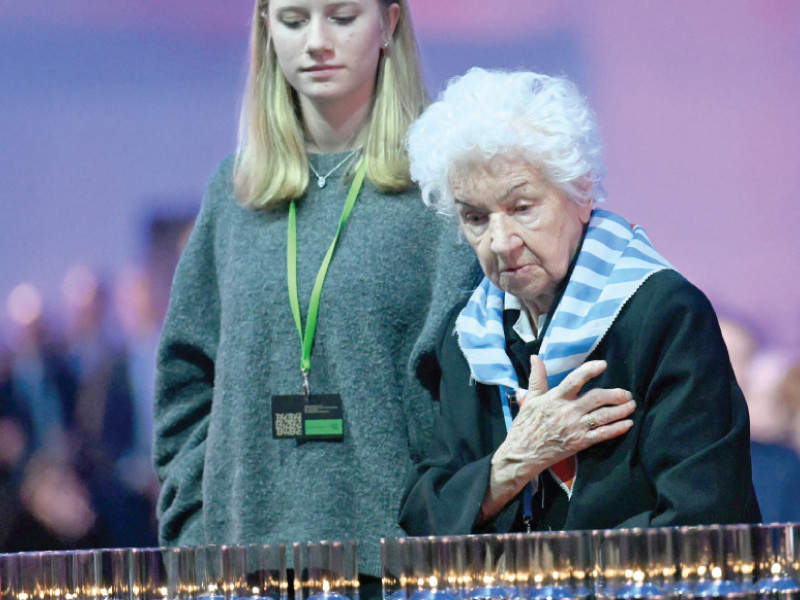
[[614, 260]]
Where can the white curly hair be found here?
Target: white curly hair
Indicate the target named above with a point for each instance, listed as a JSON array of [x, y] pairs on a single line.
[[487, 112]]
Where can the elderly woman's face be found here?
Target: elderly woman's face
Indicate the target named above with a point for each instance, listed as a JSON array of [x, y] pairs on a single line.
[[524, 229]]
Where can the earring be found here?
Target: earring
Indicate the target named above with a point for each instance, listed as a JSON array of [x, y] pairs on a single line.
[[385, 44]]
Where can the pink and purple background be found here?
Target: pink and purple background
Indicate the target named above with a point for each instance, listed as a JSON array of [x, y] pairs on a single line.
[[113, 110]]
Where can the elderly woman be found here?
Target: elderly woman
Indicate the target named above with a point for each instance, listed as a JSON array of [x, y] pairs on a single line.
[[585, 383]]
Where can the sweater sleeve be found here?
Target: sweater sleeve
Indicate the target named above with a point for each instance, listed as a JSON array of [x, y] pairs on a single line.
[[185, 380], [445, 494], [693, 441], [456, 273]]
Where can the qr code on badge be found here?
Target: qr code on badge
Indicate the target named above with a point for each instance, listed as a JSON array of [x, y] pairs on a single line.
[[289, 424]]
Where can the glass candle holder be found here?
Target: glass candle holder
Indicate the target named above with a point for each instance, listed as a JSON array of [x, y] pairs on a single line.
[[426, 568], [490, 567], [186, 580], [326, 570], [54, 567], [636, 563], [396, 567], [559, 565], [264, 572], [85, 575], [153, 573], [212, 573], [114, 580], [777, 561], [257, 572], [432, 569], [714, 561], [32, 586], [10, 577]]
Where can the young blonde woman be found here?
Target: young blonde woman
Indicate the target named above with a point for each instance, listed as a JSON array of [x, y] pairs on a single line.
[[308, 296]]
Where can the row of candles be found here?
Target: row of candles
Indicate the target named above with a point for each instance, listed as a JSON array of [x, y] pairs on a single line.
[[678, 563], [181, 573]]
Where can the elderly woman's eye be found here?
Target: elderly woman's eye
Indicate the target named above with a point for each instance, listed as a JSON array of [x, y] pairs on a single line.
[[471, 218], [525, 213]]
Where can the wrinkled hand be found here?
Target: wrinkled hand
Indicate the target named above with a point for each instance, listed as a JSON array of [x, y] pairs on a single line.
[[553, 425]]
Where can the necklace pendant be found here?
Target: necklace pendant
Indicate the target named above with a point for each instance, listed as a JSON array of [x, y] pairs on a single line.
[[321, 182]]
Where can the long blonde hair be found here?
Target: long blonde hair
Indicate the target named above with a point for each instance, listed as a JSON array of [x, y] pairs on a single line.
[[271, 162]]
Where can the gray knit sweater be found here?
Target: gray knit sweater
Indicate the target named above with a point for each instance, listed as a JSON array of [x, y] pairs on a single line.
[[229, 344]]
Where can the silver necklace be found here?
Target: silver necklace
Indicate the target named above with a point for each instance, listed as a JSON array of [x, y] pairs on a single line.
[[323, 179]]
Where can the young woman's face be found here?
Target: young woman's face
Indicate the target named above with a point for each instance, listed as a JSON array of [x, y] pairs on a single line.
[[328, 50]]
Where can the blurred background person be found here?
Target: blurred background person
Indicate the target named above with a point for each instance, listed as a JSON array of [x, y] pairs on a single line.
[[776, 464], [76, 401], [44, 504], [141, 322], [758, 373], [789, 397], [67, 421], [14, 451], [39, 374]]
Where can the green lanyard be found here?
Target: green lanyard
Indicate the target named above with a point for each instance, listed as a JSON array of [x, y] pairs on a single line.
[[307, 338]]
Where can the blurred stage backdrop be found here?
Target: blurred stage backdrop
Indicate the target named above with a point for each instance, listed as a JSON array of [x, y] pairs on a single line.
[[113, 114]]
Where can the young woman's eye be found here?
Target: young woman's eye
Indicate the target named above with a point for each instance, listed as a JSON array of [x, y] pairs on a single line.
[[292, 21], [343, 19]]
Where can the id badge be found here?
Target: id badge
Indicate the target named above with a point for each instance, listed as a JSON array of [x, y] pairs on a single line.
[[317, 417]]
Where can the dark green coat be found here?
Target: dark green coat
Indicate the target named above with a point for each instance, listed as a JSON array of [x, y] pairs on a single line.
[[686, 459]]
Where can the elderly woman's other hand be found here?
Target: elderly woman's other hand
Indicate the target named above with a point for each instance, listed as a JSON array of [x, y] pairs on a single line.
[[553, 425]]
